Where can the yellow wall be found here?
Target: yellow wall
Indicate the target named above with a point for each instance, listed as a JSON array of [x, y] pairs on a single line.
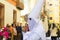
[[8, 17], [53, 10], [59, 11]]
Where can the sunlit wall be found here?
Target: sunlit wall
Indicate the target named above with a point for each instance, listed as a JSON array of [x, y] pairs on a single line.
[[52, 8]]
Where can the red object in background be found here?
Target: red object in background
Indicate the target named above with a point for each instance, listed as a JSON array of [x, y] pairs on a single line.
[[0, 33], [5, 33]]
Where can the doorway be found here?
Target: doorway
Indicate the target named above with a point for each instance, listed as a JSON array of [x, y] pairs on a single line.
[[14, 16], [1, 15]]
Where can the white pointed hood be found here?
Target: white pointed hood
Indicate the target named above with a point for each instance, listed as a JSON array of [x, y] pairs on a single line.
[[34, 16]]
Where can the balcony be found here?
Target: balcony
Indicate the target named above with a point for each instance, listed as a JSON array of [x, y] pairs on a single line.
[[19, 5]]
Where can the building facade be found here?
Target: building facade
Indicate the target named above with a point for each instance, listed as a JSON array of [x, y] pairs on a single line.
[[10, 11], [52, 10]]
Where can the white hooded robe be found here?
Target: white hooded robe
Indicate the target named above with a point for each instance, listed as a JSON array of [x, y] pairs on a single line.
[[35, 24]]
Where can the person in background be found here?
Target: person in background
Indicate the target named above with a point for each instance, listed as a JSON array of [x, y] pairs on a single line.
[[19, 31], [1, 36], [58, 31], [26, 27], [14, 32], [23, 29], [5, 33], [9, 31]]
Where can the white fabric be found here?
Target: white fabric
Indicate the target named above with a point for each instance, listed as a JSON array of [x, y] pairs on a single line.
[[36, 33], [35, 13], [35, 24], [48, 38]]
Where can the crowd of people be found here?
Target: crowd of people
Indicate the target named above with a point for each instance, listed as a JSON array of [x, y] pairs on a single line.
[[13, 31], [53, 28]]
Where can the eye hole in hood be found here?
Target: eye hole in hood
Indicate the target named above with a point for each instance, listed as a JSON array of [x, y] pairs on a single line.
[[31, 23], [29, 18]]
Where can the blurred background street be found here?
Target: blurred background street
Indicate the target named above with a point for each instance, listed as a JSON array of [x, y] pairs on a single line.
[[15, 13]]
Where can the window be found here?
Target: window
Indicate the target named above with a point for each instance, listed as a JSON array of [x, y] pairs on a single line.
[[1, 15]]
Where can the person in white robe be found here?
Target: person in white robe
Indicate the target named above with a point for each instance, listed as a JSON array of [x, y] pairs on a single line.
[[37, 31]]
